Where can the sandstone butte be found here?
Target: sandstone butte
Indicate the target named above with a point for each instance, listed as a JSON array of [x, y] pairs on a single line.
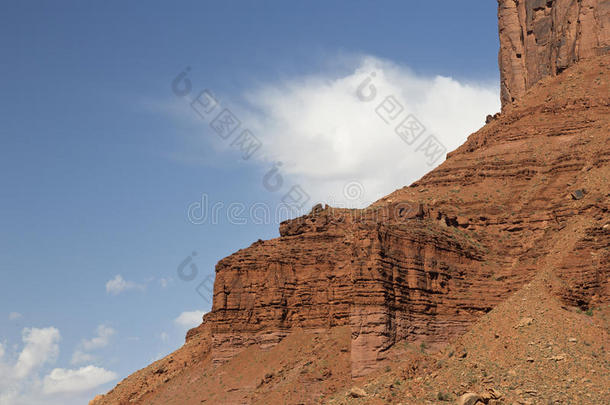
[[487, 277]]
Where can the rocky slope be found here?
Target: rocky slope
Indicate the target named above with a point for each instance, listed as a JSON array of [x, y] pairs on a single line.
[[514, 224], [531, 349]]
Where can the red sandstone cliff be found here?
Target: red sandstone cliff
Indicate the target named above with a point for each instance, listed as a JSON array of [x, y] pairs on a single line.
[[525, 196], [541, 38]]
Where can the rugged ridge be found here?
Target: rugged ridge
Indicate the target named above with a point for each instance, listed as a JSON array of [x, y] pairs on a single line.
[[542, 38]]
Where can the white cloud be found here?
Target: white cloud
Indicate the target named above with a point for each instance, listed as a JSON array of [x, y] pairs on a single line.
[[118, 285], [21, 381], [41, 346], [326, 137], [62, 380], [189, 319], [164, 337], [102, 339], [13, 316], [104, 333], [81, 357]]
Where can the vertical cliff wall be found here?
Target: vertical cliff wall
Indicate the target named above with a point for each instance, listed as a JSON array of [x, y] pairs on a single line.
[[540, 38]]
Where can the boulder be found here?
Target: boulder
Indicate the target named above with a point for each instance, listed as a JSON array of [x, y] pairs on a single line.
[[356, 392], [470, 398]]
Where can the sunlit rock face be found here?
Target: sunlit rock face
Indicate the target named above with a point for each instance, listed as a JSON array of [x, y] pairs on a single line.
[[541, 38]]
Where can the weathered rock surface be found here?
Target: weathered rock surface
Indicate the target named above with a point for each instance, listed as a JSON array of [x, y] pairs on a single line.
[[541, 38], [385, 276]]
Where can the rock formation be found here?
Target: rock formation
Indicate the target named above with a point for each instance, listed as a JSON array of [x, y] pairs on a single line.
[[526, 194], [387, 276], [542, 38]]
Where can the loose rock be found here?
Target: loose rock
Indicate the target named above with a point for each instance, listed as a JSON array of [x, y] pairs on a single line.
[[578, 194], [469, 398], [524, 322], [356, 392]]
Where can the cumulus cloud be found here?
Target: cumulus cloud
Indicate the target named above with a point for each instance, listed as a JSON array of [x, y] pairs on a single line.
[[102, 339], [338, 133], [118, 285], [25, 378], [41, 346], [13, 316], [333, 130], [189, 319], [62, 380]]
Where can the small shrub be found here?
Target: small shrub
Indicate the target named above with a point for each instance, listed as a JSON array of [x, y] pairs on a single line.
[[443, 396]]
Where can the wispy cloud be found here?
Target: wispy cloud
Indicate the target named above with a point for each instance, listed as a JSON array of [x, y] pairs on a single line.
[[61, 380], [102, 339], [104, 333], [189, 319], [81, 357], [118, 285], [164, 282], [13, 316]]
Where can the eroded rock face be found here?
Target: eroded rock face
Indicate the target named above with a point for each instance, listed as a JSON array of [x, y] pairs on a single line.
[[387, 276], [540, 38]]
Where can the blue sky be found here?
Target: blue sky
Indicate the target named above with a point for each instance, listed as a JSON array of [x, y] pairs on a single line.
[[100, 160]]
